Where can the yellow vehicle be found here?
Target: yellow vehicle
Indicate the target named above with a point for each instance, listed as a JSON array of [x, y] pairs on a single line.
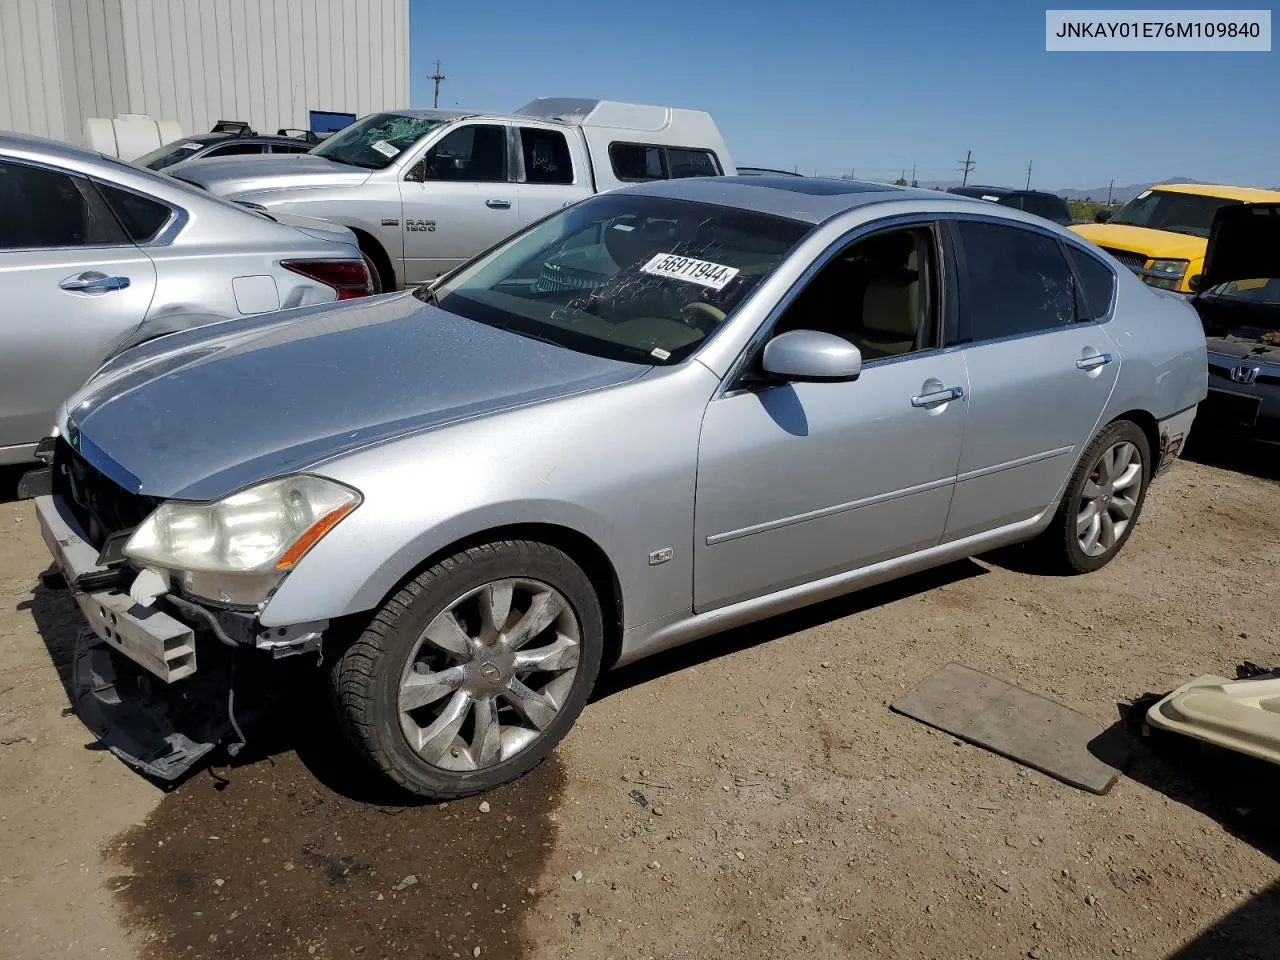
[[1161, 233]]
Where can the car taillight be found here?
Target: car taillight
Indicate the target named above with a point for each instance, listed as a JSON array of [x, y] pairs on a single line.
[[350, 278]]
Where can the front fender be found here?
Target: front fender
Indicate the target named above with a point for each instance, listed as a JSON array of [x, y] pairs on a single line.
[[616, 465]]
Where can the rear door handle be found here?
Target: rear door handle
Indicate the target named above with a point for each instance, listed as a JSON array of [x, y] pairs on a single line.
[[94, 282], [1091, 363], [937, 397], [498, 204]]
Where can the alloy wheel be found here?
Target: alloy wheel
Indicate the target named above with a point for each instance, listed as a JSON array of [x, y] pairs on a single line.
[[489, 674], [1109, 499]]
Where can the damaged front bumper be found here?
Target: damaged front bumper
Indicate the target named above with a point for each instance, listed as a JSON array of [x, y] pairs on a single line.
[[159, 686]]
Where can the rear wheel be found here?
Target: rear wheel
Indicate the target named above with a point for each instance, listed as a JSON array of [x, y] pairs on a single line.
[[1102, 502], [471, 674]]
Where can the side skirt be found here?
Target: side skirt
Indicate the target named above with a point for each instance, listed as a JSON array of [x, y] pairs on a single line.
[[668, 632]]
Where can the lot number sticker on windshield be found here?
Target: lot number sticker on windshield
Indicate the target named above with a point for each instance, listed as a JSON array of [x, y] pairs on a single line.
[[702, 272], [384, 148]]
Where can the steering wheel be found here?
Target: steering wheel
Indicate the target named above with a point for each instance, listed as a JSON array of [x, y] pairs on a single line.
[[702, 315]]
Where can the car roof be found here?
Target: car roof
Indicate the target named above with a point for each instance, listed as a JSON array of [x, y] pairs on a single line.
[[809, 199], [1225, 191], [975, 190]]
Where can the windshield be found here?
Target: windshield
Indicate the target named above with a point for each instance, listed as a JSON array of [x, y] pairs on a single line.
[[169, 154], [1187, 213], [376, 140], [627, 277]]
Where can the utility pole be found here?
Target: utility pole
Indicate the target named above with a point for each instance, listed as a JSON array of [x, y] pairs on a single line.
[[966, 165], [1110, 186], [437, 77], [1028, 174], [914, 182]]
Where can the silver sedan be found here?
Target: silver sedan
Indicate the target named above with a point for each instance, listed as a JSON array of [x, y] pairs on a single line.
[[662, 412], [97, 255]]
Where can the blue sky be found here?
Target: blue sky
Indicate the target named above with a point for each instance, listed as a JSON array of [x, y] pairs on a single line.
[[873, 87]]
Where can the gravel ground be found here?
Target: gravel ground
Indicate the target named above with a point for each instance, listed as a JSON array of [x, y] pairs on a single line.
[[747, 796]]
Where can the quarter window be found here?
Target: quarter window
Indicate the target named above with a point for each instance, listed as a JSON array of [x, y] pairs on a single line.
[[1098, 281], [546, 156], [141, 217], [45, 208], [1012, 281], [473, 153]]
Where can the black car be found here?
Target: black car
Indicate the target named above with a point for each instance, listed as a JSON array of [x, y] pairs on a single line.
[[765, 172], [1239, 305], [1041, 204], [228, 138]]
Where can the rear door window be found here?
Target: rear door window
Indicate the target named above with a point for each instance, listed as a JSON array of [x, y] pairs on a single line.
[[46, 208], [141, 217], [472, 153], [546, 156], [1098, 281], [1012, 281]]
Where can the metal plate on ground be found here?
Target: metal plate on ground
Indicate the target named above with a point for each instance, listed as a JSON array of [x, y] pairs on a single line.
[[1018, 724]]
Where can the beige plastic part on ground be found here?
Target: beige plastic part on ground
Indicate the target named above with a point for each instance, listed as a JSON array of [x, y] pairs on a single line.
[[1241, 715]]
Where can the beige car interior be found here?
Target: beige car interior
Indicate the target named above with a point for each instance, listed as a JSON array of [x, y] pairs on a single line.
[[870, 294]]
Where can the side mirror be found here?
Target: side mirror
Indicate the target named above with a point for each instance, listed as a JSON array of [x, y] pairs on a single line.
[[1102, 216], [811, 355]]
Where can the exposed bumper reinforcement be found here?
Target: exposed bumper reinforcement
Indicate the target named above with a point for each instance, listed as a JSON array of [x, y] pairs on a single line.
[[156, 641]]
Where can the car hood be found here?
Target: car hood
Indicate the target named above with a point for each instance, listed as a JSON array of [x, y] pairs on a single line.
[[1153, 244], [237, 403], [235, 175], [1241, 348], [1244, 244]]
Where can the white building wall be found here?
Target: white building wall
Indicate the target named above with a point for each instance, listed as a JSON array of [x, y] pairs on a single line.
[[268, 62]]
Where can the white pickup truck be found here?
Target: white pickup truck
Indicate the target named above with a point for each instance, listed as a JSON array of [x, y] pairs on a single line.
[[425, 190]]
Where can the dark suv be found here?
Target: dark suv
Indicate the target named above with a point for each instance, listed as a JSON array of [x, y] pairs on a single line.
[[227, 139], [1032, 201]]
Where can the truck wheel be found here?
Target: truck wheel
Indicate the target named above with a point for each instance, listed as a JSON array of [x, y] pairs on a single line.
[[471, 674], [1102, 502]]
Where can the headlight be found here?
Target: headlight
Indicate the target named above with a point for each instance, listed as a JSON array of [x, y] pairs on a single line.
[[237, 550], [1166, 274]]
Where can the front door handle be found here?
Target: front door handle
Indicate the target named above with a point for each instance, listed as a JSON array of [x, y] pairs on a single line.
[[498, 204], [937, 397], [94, 282], [1092, 363]]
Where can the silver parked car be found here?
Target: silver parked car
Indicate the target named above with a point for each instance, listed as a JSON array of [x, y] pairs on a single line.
[[660, 413], [97, 255]]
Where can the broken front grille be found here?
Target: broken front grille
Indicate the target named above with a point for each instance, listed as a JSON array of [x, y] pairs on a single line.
[[100, 505]]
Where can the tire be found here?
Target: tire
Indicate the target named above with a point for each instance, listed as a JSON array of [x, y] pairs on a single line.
[[1060, 546], [553, 618]]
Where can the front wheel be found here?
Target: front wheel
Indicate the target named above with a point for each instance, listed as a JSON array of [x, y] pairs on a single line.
[[472, 673], [1102, 502]]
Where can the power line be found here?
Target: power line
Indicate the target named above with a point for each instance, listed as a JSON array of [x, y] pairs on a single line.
[[966, 165], [437, 77]]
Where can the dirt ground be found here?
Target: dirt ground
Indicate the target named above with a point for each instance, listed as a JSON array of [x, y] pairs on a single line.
[[748, 796]]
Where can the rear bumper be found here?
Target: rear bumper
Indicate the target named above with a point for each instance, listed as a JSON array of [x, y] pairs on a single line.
[[156, 641], [1173, 437]]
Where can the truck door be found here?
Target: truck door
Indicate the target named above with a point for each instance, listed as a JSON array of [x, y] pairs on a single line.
[[457, 201], [552, 175]]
